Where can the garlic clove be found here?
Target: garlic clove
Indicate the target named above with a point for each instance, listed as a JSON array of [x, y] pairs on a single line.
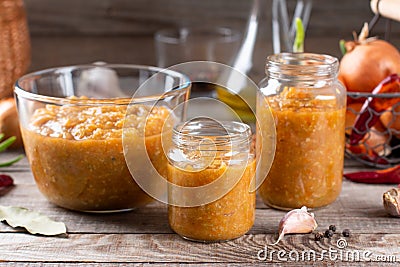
[[391, 202], [297, 221]]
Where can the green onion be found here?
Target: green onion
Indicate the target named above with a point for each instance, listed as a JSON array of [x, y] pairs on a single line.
[[11, 162], [3, 146], [342, 47], [298, 45], [8, 142]]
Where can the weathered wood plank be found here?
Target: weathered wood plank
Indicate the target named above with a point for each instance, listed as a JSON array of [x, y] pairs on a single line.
[[163, 248], [63, 50], [138, 233], [358, 208], [155, 220], [106, 17], [126, 17], [285, 264], [60, 51], [74, 32], [19, 264]]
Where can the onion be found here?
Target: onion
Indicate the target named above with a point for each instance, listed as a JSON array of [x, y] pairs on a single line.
[[9, 123], [367, 62]]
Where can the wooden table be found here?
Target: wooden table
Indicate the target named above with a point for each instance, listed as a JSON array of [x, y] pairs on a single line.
[[143, 236]]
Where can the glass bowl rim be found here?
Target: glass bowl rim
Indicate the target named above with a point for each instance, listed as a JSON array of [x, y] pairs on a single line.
[[19, 91]]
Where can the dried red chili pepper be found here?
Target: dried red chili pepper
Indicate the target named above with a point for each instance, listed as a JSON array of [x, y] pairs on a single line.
[[373, 107], [6, 180], [367, 154], [6, 183], [387, 176]]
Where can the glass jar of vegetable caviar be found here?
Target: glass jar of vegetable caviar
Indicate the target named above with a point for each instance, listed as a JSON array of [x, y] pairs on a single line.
[[308, 105], [213, 162]]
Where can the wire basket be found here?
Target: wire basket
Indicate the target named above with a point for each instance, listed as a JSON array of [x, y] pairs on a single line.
[[380, 146]]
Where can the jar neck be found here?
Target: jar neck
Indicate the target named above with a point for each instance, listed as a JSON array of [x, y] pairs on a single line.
[[302, 67], [205, 135]]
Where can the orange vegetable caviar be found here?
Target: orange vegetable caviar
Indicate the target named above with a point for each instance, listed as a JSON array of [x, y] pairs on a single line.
[[226, 218], [308, 164], [77, 158]]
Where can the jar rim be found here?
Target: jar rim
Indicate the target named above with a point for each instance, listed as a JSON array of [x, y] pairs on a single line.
[[302, 65], [302, 59], [221, 132]]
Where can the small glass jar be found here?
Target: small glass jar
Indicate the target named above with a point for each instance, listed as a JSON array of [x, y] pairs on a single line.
[[211, 168], [308, 105]]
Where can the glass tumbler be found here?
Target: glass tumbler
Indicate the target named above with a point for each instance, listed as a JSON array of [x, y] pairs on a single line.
[[197, 43], [179, 45]]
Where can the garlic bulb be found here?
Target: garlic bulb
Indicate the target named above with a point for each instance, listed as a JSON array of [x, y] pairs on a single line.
[[297, 221], [391, 201]]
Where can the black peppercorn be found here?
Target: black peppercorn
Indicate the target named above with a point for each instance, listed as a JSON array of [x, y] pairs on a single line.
[[328, 233], [332, 227], [318, 236], [346, 232]]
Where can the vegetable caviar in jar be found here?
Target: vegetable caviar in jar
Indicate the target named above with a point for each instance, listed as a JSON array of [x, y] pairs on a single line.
[[308, 106], [211, 170]]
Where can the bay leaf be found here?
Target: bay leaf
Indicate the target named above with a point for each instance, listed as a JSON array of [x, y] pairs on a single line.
[[32, 221]]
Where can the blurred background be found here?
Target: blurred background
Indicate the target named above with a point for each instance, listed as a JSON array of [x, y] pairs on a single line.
[[67, 32]]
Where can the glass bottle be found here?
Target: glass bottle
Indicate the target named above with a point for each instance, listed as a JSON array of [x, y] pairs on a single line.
[[256, 45], [211, 167], [247, 61], [308, 105]]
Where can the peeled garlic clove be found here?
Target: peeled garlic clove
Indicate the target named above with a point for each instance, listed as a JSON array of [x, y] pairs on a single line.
[[297, 221], [391, 202]]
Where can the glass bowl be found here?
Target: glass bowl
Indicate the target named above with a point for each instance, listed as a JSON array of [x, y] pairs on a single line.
[[72, 119]]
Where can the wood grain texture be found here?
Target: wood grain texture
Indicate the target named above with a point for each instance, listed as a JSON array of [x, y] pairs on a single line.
[[161, 248], [139, 17], [153, 219], [67, 32], [358, 208], [124, 17], [142, 237], [288, 264], [50, 51]]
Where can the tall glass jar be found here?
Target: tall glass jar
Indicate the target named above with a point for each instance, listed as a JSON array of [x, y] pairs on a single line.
[[308, 105], [211, 168]]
